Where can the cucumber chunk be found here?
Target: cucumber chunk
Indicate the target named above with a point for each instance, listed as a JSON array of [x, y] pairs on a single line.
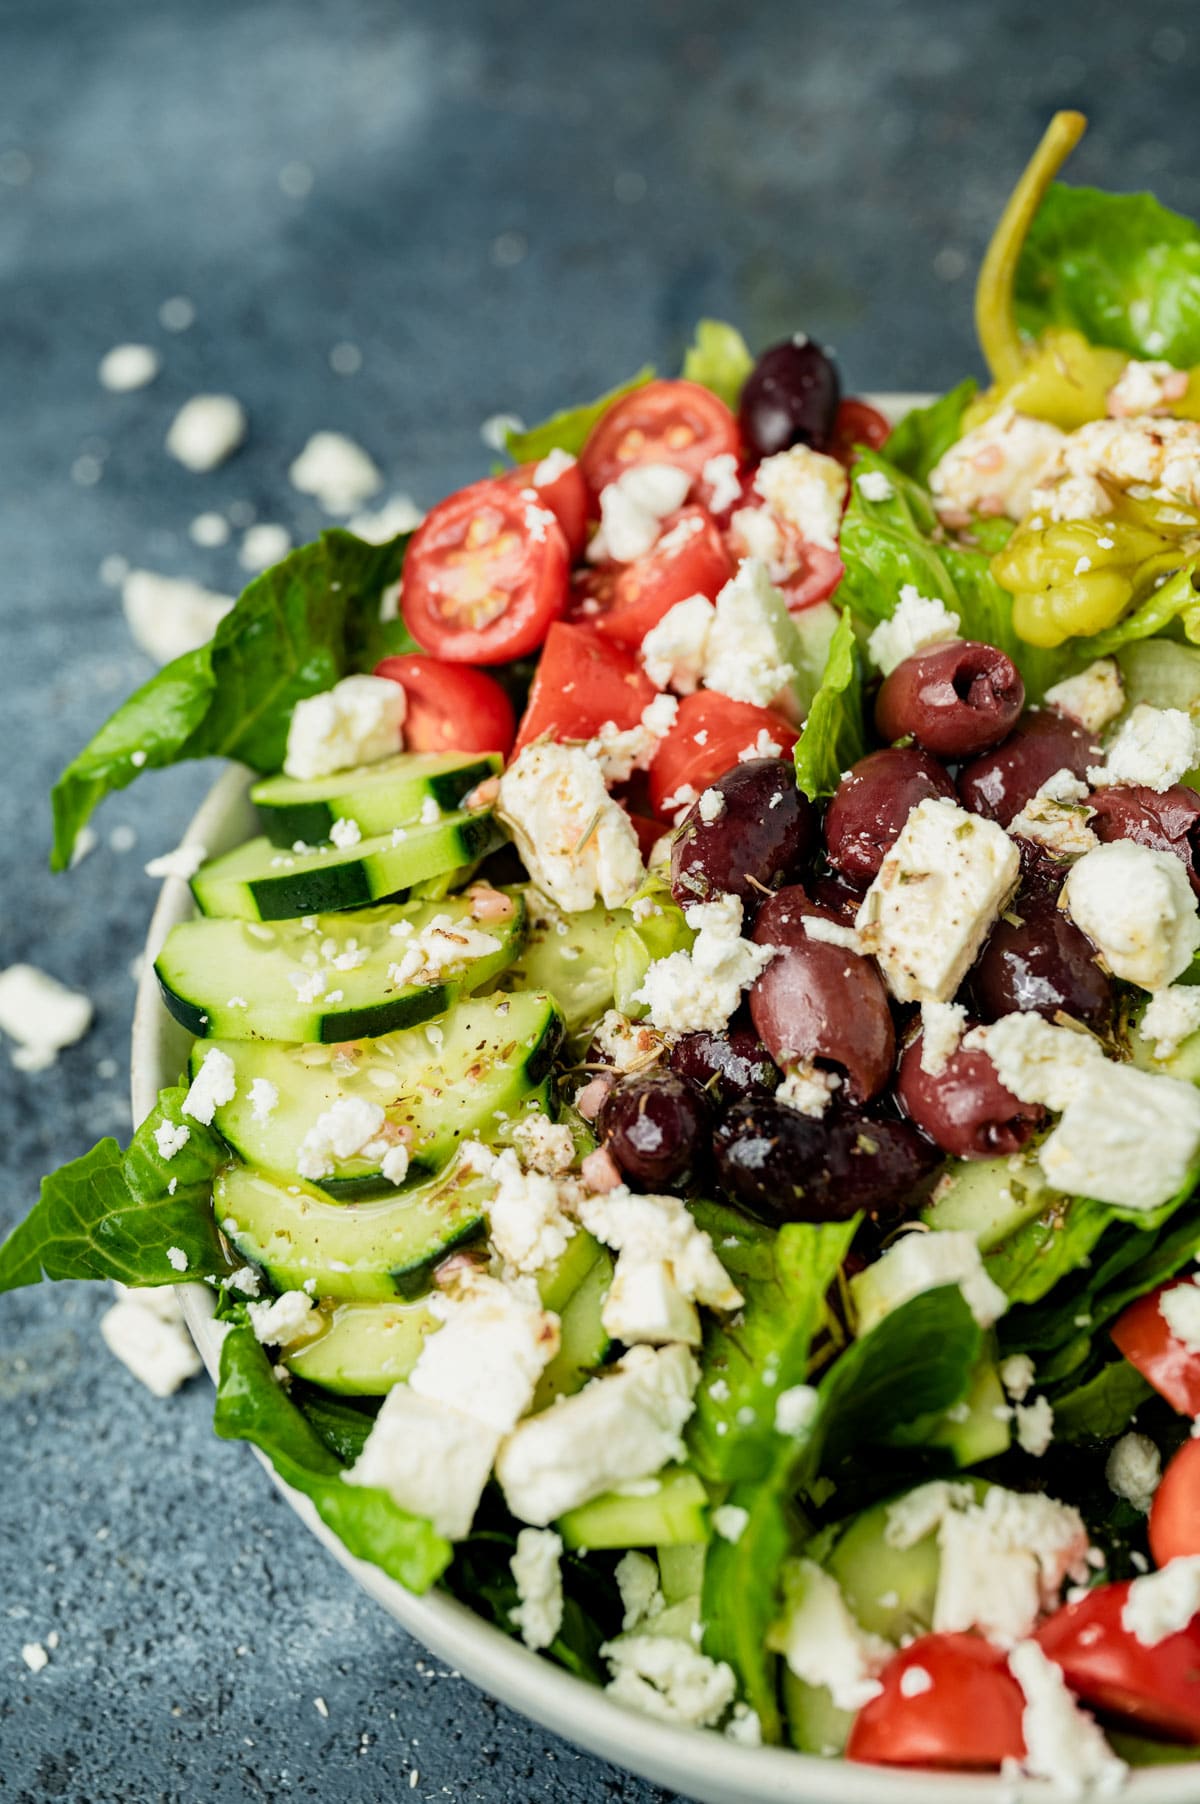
[[244, 980], [888, 1590], [814, 1722], [675, 1513], [571, 956], [682, 1572], [584, 1343], [376, 797], [977, 1429], [347, 1251], [990, 1198], [365, 1348], [258, 882], [469, 1077]]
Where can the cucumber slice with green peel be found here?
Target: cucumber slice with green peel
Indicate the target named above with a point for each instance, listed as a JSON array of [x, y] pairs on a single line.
[[889, 1590], [682, 1572], [559, 1282], [990, 1198], [347, 1251], [815, 1724], [675, 1513], [365, 1348], [471, 1075], [376, 797], [571, 956], [245, 980], [584, 1343], [258, 882], [977, 1429]]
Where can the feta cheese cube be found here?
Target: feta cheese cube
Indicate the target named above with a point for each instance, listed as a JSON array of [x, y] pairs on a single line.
[[486, 1358], [645, 1306], [1094, 698], [41, 1015], [206, 430], [1134, 1469], [724, 481], [574, 839], [336, 471], [753, 650], [665, 1678], [805, 490], [157, 1351], [430, 1458], [936, 898], [916, 622], [358, 721], [538, 1577], [1125, 1137], [674, 651], [824, 1645], [1056, 821], [1153, 748], [918, 1262], [1037, 1062], [1136, 906], [688, 991], [994, 468]]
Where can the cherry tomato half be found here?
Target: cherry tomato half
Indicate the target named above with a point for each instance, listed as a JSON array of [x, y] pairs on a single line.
[[581, 682], [1175, 1512], [663, 423], [1109, 1668], [561, 487], [967, 1715], [818, 576], [709, 734], [689, 559], [1142, 1334], [858, 423], [485, 574], [451, 708]]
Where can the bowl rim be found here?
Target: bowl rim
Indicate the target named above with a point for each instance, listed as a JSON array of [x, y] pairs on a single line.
[[699, 1763]]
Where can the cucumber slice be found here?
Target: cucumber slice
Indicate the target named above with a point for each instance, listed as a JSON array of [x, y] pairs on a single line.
[[682, 1571], [889, 1590], [468, 1077], [676, 1513], [559, 1282], [205, 963], [258, 882], [349, 1250], [571, 956], [584, 1344], [377, 797], [990, 1198], [977, 1430], [365, 1348], [815, 1724]]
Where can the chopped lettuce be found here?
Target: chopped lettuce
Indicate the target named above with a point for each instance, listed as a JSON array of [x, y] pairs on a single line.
[[720, 359], [924, 436], [833, 736], [568, 430]]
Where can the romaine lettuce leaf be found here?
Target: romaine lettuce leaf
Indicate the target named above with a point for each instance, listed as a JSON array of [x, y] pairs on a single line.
[[568, 430], [1102, 1407], [832, 737], [1175, 605], [720, 359], [923, 436]]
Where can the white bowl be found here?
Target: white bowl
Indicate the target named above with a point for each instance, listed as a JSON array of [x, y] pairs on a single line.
[[697, 1763]]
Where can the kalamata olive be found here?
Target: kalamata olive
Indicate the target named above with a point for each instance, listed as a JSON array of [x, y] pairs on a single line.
[[1167, 822], [790, 398], [1037, 961], [836, 897], [955, 700], [966, 1110], [1000, 782], [727, 1066], [656, 1126], [762, 831], [819, 1001], [784, 1166], [872, 803]]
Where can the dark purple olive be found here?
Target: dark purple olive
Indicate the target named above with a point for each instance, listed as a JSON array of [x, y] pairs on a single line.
[[1036, 961], [955, 700], [763, 831], [784, 1166], [966, 1110], [821, 1001], [1169, 822], [835, 897], [655, 1124], [872, 803], [999, 783], [727, 1066], [790, 398]]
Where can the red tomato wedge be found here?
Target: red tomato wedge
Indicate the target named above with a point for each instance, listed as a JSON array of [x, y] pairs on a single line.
[[961, 1708], [819, 574], [451, 708], [485, 575], [708, 737], [858, 423], [1109, 1668], [1142, 1335], [562, 490], [689, 559], [677, 423], [1175, 1512], [582, 681]]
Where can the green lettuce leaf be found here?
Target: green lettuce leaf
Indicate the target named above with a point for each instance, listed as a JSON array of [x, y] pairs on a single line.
[[833, 736], [1103, 1407], [252, 1406], [1121, 268], [568, 430], [1175, 606], [720, 359], [113, 1214], [295, 630], [924, 436]]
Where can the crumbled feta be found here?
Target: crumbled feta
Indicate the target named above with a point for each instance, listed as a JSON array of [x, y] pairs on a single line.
[[336, 471], [444, 944], [808, 1089], [625, 1425], [168, 615], [633, 508], [1126, 1138], [1035, 1426], [206, 430], [711, 806], [340, 1132], [486, 1358], [1056, 822], [796, 1409], [805, 490], [936, 898], [824, 1645], [942, 1027], [528, 1226], [1180, 1310], [345, 834], [628, 1045], [538, 1577], [1037, 1062], [1137, 907], [755, 533], [665, 1264], [689, 991], [994, 468], [918, 1262], [621, 751], [1162, 455], [127, 367], [637, 1582], [724, 482], [1145, 387], [730, 1521], [674, 651], [245, 1281], [394, 1164], [213, 1086], [831, 933], [762, 746], [284, 1321], [1017, 1375], [916, 622], [915, 1681], [1133, 1469], [431, 1459], [1163, 1603], [1094, 698], [1171, 1017], [873, 485], [744, 1727], [1152, 748], [574, 839], [665, 1678], [262, 545], [752, 646], [41, 1015], [556, 463], [171, 1137], [358, 721], [157, 1349], [544, 1145], [182, 862], [1062, 1742]]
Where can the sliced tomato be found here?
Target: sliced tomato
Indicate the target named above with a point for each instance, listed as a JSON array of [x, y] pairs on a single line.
[[819, 574], [1142, 1334], [1109, 1668], [591, 593], [485, 575], [689, 559], [560, 486], [451, 707], [582, 681], [708, 738], [858, 423], [960, 1708], [1175, 1512], [663, 423]]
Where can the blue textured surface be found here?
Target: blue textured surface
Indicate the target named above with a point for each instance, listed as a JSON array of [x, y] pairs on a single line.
[[510, 208]]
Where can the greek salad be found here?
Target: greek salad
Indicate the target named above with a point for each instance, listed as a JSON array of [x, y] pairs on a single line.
[[693, 1114]]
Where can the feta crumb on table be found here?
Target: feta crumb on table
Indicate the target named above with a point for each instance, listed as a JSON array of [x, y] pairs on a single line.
[[41, 1015], [1093, 698], [262, 545], [917, 622], [206, 431], [182, 862], [128, 367], [169, 615], [537, 1572], [358, 721], [336, 471], [35, 1656], [150, 1342]]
